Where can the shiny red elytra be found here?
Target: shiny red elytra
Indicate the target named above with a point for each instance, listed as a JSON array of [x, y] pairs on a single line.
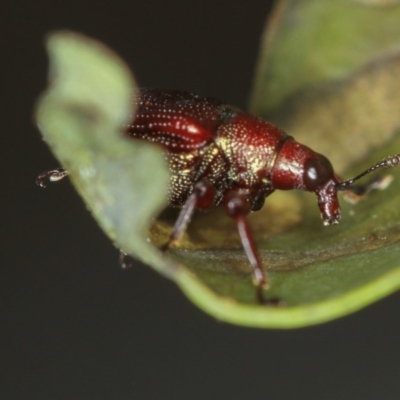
[[218, 154]]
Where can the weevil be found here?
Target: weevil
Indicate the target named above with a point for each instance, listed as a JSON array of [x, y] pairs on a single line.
[[219, 154]]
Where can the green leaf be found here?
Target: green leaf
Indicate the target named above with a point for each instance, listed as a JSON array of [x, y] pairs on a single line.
[[81, 117], [319, 273], [328, 74]]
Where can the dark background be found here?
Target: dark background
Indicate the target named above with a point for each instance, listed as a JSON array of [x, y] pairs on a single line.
[[76, 326]]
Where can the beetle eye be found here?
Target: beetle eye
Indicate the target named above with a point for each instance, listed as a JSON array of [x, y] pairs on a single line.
[[317, 172]]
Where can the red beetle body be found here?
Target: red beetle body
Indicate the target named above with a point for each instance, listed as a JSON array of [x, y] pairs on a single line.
[[208, 140], [217, 153]]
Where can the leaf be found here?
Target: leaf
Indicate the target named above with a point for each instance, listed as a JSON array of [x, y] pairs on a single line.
[[319, 273], [81, 117], [328, 74]]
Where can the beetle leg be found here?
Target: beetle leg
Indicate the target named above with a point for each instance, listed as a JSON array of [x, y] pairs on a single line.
[[51, 176], [125, 260], [354, 193], [237, 206], [202, 197]]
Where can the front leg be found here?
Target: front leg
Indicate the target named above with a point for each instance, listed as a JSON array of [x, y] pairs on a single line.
[[354, 193], [237, 206]]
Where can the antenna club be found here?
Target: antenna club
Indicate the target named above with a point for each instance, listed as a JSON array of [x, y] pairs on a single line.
[[392, 161]]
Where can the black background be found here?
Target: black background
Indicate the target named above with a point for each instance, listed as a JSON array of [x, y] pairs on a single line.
[[76, 326]]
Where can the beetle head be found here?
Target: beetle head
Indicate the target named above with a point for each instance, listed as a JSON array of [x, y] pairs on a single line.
[[319, 177], [299, 167]]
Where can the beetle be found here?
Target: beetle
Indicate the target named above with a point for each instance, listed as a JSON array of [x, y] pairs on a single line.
[[219, 154]]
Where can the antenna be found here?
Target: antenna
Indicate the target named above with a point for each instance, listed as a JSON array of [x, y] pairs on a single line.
[[388, 162]]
